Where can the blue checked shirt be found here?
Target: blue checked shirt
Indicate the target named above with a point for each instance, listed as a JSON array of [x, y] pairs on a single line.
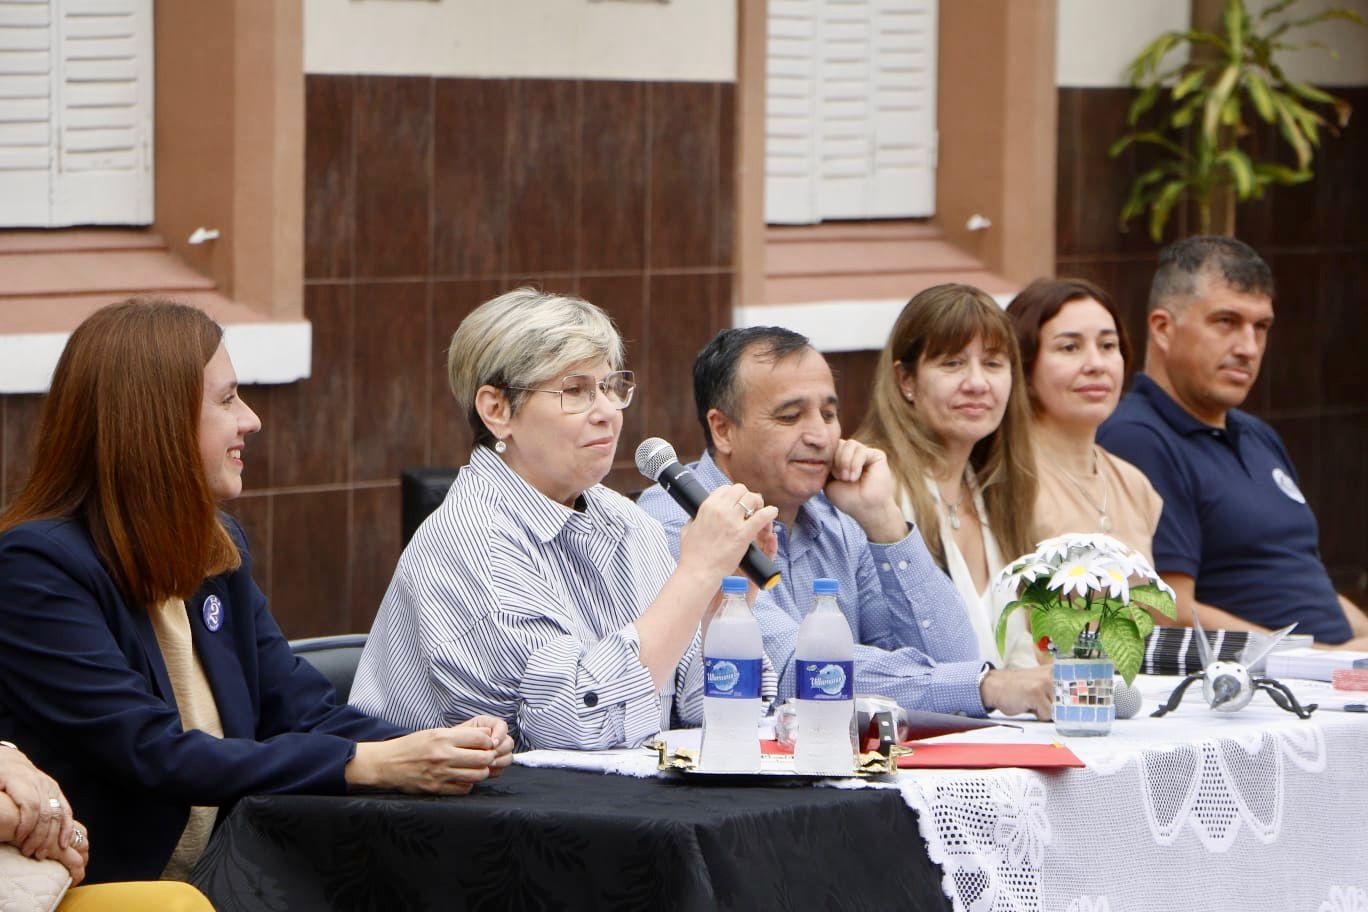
[[509, 604], [913, 642]]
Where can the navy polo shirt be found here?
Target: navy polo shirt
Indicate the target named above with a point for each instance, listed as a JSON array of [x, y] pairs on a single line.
[[1234, 518]]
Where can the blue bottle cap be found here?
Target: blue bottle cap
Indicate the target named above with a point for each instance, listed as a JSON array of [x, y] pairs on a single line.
[[824, 586], [732, 585]]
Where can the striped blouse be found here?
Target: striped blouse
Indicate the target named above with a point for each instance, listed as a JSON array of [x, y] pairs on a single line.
[[510, 604]]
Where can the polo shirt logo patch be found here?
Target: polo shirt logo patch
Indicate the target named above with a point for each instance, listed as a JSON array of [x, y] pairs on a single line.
[[1288, 486]]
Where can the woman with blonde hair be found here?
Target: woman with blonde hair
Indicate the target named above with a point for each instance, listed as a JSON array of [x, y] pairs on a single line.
[[950, 410], [139, 665]]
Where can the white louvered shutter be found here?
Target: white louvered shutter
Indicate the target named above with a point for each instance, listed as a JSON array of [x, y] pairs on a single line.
[[845, 126], [26, 132], [75, 112], [791, 87], [851, 113], [905, 136]]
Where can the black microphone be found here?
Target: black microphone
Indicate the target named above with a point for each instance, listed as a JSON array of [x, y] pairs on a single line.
[[658, 461]]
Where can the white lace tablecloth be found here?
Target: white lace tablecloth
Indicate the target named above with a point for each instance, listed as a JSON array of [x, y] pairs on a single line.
[[1255, 810]]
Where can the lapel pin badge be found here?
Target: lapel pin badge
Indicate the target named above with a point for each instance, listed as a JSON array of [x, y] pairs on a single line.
[[213, 613]]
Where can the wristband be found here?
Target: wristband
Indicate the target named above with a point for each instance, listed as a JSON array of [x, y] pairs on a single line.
[[983, 673]]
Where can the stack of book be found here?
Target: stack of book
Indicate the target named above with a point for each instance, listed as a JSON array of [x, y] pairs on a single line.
[[1312, 664]]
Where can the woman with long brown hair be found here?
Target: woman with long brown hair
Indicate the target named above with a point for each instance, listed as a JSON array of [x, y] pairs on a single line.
[[950, 411], [1074, 351], [139, 664]]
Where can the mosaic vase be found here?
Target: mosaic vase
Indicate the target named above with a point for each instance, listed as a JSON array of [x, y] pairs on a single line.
[[1084, 683]]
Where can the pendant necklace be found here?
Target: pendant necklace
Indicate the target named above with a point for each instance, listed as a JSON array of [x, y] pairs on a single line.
[[1103, 520], [952, 509]]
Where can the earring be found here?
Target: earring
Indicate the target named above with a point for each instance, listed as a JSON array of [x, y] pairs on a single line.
[[500, 447], [907, 396]]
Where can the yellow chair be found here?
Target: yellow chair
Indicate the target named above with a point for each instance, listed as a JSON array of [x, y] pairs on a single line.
[[161, 895]]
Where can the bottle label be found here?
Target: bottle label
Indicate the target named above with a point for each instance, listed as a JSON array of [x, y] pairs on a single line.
[[825, 681], [732, 679]]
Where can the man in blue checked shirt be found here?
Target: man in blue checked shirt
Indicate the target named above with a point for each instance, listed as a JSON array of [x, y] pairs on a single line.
[[768, 406]]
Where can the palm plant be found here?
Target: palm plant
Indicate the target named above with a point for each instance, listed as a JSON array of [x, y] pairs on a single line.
[[1203, 128]]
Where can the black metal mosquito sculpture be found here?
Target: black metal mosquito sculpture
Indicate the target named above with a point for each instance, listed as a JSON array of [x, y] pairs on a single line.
[[1228, 686]]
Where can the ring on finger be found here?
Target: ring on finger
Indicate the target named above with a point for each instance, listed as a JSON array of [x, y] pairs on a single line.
[[55, 804], [78, 838], [746, 512]]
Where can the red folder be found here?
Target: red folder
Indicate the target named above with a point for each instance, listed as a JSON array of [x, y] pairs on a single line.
[[949, 755], [987, 755]]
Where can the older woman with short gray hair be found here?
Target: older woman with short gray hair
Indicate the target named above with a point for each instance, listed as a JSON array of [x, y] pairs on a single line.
[[534, 592]]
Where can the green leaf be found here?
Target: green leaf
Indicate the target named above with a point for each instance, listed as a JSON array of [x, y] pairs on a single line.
[[1230, 114], [1038, 619], [1143, 622], [1151, 598], [1281, 174], [1241, 169], [1149, 57], [1146, 136], [1143, 102], [1211, 38], [1257, 90], [1189, 82], [1310, 124], [1135, 200], [1275, 8], [1291, 131], [1216, 99], [1164, 202], [1308, 120], [1311, 93], [1338, 12], [1182, 117], [1234, 22], [1002, 623], [1146, 178], [1124, 646], [1304, 46], [1062, 626]]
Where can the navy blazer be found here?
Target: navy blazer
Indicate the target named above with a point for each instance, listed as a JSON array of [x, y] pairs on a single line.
[[84, 691]]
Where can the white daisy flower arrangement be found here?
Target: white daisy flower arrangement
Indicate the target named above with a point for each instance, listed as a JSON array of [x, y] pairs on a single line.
[[1088, 595]]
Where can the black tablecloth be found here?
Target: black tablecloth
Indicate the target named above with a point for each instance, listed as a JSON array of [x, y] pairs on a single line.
[[556, 839]]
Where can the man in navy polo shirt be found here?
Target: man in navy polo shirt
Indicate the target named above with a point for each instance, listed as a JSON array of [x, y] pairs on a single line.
[[1236, 540]]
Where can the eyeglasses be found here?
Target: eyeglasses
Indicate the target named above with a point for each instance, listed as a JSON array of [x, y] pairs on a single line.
[[577, 391]]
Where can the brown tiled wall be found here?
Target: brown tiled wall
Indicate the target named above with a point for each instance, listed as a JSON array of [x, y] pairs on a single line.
[[425, 197], [1313, 387]]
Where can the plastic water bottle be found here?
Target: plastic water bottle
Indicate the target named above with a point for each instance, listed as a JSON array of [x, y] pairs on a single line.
[[824, 675], [732, 663]]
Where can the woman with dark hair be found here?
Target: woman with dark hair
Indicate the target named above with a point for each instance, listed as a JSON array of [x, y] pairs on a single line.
[[950, 411], [139, 664], [1074, 351]]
